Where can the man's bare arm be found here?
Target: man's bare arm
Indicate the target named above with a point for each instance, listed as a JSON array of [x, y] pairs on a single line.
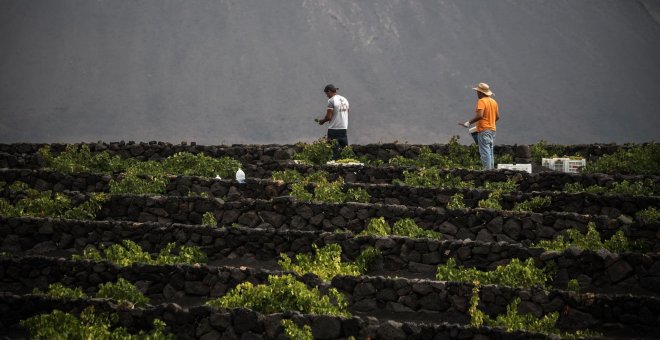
[[328, 116]]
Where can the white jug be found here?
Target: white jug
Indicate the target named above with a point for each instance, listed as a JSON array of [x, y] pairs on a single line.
[[240, 176]]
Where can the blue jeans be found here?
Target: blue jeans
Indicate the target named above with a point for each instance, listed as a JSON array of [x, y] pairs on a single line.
[[486, 140]]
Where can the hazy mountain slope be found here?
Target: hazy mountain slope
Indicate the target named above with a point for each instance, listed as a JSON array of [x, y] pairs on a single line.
[[252, 71]]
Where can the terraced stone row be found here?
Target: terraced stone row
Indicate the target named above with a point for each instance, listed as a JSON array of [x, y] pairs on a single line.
[[208, 323], [542, 181], [595, 271], [265, 153], [435, 300], [287, 213], [582, 203]]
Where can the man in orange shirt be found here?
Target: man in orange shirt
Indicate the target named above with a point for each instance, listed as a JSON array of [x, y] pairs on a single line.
[[486, 114]]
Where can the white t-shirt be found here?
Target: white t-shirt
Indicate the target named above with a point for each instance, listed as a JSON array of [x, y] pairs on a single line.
[[339, 106]]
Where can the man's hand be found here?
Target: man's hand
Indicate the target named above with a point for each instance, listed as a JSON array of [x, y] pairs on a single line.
[[466, 124], [320, 121]]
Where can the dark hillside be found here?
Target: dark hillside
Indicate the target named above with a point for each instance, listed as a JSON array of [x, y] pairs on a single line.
[[249, 71]]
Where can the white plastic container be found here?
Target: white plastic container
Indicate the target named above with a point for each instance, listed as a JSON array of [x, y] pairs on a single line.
[[564, 164], [518, 167], [240, 176]]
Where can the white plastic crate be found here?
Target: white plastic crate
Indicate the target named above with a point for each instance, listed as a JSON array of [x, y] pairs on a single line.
[[519, 167], [564, 164]]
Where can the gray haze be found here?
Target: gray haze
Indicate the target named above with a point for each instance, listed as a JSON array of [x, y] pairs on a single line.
[[252, 71]]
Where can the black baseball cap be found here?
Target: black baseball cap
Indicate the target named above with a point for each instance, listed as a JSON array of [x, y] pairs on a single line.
[[330, 88]]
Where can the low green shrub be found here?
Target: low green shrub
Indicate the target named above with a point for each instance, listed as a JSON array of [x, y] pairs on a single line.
[[507, 186], [296, 333], [283, 293], [513, 321], [287, 176], [636, 160], [209, 219], [357, 195], [122, 290], [132, 183], [129, 252], [408, 228], [188, 164], [58, 325], [640, 188], [318, 153], [48, 204], [457, 156], [326, 262], [573, 286], [535, 204], [514, 274], [618, 243], [329, 192], [431, 178], [492, 202], [80, 159], [456, 202], [403, 227], [649, 215], [543, 150], [504, 159], [58, 290]]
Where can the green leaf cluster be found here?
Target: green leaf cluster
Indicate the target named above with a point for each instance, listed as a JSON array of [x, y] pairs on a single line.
[[129, 252], [513, 321], [514, 274], [457, 156], [649, 215], [58, 325], [431, 178], [505, 159], [81, 159], [48, 204], [287, 176], [507, 186], [284, 293], [573, 286], [209, 219], [403, 227], [534, 204], [318, 153], [543, 150], [296, 333], [188, 164], [58, 290], [326, 262], [641, 188], [618, 243], [492, 202], [122, 290], [133, 183], [635, 160], [347, 155], [329, 192], [456, 202]]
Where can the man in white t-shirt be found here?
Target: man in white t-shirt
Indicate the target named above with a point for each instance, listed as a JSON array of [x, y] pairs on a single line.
[[337, 114]]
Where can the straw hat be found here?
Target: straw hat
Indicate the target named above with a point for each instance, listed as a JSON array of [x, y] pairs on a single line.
[[483, 88]]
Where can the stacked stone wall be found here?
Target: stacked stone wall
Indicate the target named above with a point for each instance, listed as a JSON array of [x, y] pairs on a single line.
[[600, 270]]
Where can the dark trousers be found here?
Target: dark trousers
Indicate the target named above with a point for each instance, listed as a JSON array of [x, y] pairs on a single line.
[[341, 136]]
